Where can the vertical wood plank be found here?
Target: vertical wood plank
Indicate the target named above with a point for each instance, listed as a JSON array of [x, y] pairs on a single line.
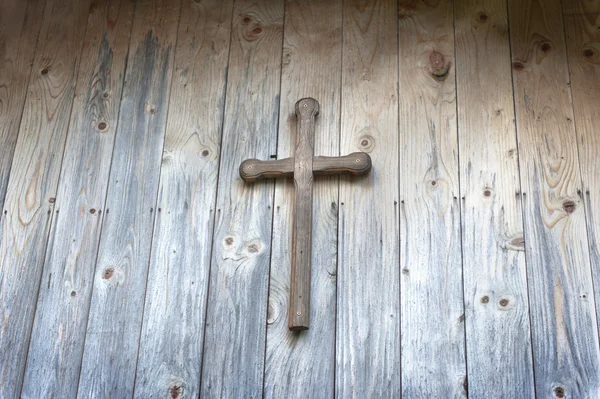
[[58, 334], [173, 328], [20, 23], [115, 317], [234, 341], [368, 300], [563, 318], [495, 281], [582, 28], [33, 180], [297, 363], [430, 253]]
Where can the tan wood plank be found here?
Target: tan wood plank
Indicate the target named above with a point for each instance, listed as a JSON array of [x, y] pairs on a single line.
[[33, 180], [495, 281], [173, 328], [20, 23], [58, 334], [430, 252], [582, 28], [116, 310], [563, 322], [234, 343], [368, 297], [301, 364]]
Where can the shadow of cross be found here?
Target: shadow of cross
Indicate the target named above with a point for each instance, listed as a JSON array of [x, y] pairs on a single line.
[[303, 166]]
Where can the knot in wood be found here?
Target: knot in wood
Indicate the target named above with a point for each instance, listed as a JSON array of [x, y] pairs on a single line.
[[569, 206], [482, 16], [439, 66]]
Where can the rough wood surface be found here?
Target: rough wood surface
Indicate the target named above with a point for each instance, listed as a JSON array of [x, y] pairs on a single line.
[[303, 364], [173, 328], [368, 297], [234, 344], [58, 334], [115, 317], [33, 181], [357, 163], [495, 282], [582, 28], [307, 110], [430, 251], [20, 23], [561, 297]]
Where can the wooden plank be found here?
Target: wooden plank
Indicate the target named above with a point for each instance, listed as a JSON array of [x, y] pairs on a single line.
[[303, 363], [583, 50], [234, 341], [115, 317], [173, 328], [33, 180], [430, 254], [563, 321], [58, 334], [20, 24], [495, 281], [368, 299]]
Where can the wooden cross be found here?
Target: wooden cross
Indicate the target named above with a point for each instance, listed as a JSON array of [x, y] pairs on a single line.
[[302, 167]]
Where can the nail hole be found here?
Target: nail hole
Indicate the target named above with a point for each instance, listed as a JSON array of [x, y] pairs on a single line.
[[503, 302], [485, 299], [92, 211], [247, 20], [482, 17], [518, 66], [205, 153], [487, 193], [101, 125], [44, 71], [73, 293]]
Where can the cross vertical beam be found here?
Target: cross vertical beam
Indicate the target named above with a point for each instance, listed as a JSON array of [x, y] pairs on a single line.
[[299, 317]]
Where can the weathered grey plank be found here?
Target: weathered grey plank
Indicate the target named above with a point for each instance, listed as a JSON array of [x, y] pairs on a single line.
[[583, 49], [115, 317], [303, 364], [234, 341], [173, 328], [20, 23], [430, 252], [58, 334], [495, 281], [368, 299], [563, 321], [33, 181]]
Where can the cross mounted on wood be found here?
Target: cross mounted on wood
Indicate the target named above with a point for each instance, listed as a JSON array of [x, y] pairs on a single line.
[[303, 166]]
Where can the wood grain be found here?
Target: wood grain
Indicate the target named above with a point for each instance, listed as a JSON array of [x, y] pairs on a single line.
[[430, 252], [303, 364], [583, 49], [495, 281], [173, 328], [20, 23], [234, 343], [368, 298], [33, 181], [116, 309], [563, 319], [58, 334]]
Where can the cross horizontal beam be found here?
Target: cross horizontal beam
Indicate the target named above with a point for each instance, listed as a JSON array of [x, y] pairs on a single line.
[[357, 163]]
